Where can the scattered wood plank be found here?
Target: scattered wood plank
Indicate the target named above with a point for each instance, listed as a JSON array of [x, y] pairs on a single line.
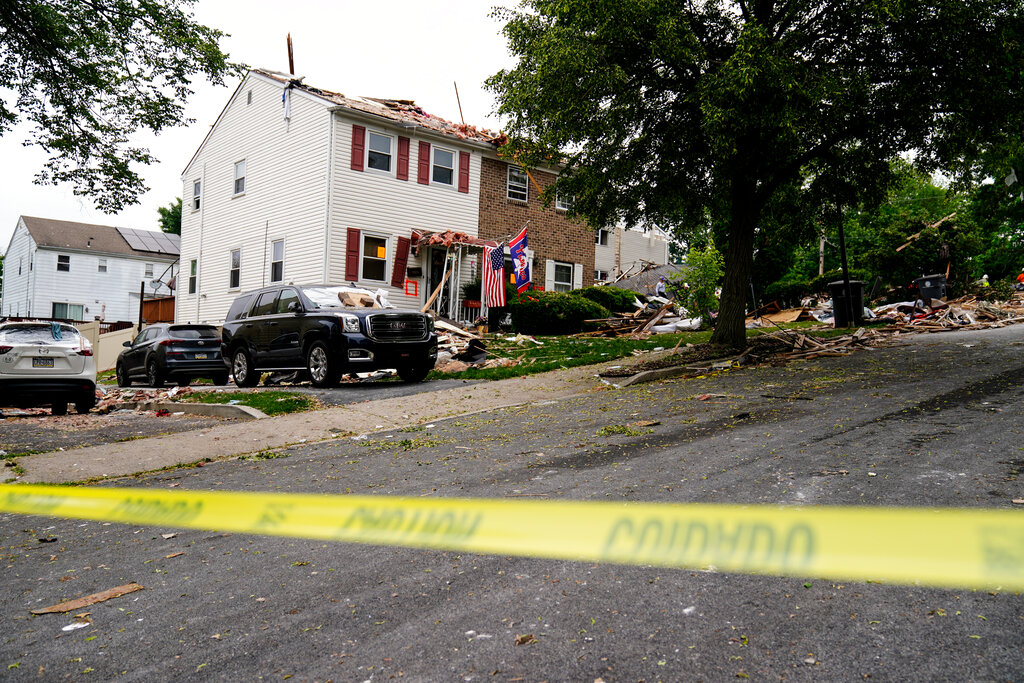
[[102, 596]]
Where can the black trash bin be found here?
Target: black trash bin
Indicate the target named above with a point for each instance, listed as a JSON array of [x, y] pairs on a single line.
[[838, 292], [931, 287]]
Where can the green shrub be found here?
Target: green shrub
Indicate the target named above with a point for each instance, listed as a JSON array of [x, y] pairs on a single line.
[[538, 312], [613, 298], [787, 292]]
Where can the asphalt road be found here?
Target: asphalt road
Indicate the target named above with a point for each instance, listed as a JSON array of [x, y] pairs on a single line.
[[935, 420]]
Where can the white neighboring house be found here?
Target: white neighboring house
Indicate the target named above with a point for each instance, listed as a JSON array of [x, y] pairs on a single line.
[[300, 185], [625, 250], [82, 272]]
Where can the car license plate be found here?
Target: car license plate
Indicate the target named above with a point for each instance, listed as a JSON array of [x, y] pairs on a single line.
[[200, 356], [42, 362]]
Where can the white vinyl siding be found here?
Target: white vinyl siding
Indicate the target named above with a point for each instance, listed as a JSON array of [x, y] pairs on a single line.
[[283, 161], [381, 205]]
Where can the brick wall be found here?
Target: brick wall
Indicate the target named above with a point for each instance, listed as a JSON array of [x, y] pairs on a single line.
[[551, 235]]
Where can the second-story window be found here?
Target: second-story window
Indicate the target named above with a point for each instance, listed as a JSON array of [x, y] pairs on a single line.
[[517, 187], [378, 152], [277, 261], [197, 187], [240, 177], [444, 166], [63, 263], [101, 267], [235, 273], [149, 271], [601, 238], [563, 202]]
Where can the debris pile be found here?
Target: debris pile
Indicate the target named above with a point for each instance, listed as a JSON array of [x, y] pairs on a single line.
[[964, 313], [459, 349], [660, 316]]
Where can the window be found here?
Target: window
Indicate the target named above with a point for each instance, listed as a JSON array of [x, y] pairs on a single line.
[[517, 187], [193, 268], [197, 187], [600, 275], [234, 276], [563, 277], [63, 264], [563, 202], [601, 237], [21, 261], [444, 166], [102, 266], [378, 152], [240, 177], [248, 98], [67, 311], [149, 271], [375, 258], [287, 298], [265, 304], [277, 261]]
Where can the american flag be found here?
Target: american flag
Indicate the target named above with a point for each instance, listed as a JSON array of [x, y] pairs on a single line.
[[494, 276]]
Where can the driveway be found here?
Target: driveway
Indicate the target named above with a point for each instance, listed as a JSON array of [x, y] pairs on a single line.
[[934, 420]]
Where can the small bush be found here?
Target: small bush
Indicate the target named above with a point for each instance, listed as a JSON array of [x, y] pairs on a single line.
[[614, 299], [538, 312]]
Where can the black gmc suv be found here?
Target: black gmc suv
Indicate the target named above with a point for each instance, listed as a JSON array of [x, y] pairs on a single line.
[[312, 328]]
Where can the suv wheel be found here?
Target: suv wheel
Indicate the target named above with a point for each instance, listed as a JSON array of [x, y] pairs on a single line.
[[413, 373], [123, 380], [321, 367], [241, 367], [85, 402], [153, 376]]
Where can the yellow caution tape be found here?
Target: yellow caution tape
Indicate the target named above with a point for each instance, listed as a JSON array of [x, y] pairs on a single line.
[[939, 547]]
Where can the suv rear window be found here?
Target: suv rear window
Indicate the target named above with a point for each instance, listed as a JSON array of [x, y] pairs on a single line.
[[42, 334], [193, 332], [239, 307]]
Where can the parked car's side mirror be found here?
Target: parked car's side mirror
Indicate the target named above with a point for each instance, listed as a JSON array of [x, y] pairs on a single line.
[[127, 343]]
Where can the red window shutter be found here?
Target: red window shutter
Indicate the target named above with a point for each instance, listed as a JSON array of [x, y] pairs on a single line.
[[358, 147], [352, 255], [423, 165], [463, 171], [403, 158], [401, 260]]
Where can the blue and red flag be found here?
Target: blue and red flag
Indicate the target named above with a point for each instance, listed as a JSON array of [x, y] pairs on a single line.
[[517, 251]]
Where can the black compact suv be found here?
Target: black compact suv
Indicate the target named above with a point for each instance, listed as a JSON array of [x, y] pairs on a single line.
[[172, 352], [316, 328]]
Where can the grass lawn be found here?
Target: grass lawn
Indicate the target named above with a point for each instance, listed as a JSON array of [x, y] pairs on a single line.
[[270, 402], [564, 352]]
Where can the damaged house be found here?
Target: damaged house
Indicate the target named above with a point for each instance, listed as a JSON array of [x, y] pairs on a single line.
[[301, 185]]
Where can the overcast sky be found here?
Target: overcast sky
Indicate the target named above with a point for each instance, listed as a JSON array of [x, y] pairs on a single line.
[[400, 49]]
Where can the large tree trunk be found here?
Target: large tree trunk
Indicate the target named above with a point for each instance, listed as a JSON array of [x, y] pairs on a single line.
[[730, 329]]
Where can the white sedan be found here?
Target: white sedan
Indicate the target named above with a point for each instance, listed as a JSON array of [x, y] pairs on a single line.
[[46, 364]]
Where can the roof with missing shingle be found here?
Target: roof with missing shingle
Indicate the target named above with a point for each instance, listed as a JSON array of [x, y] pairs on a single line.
[[104, 239], [399, 111]]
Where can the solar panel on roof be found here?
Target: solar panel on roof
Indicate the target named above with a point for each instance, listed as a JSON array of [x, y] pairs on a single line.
[[151, 241]]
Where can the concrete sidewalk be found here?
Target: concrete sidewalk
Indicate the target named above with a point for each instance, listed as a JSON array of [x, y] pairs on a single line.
[[230, 440]]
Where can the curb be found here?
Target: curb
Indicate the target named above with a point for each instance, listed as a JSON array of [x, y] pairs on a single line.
[[239, 412]]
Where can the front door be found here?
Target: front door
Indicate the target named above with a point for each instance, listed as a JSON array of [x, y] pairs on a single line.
[[435, 277]]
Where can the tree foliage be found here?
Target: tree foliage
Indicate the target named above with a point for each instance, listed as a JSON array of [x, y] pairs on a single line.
[[686, 115], [170, 217], [696, 285], [87, 74]]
